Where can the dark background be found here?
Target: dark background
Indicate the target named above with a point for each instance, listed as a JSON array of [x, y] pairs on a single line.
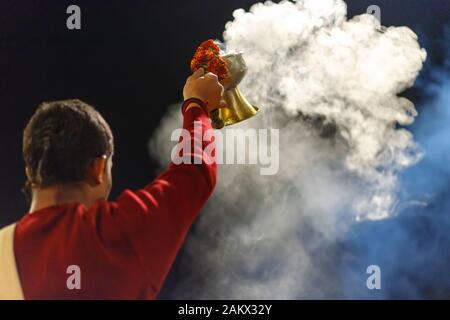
[[130, 61]]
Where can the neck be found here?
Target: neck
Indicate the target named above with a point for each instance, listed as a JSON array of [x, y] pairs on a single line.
[[61, 194]]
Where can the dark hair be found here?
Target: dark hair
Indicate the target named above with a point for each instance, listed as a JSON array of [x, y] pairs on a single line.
[[60, 141]]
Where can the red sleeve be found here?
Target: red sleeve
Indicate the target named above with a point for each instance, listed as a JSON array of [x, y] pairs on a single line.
[[158, 217]]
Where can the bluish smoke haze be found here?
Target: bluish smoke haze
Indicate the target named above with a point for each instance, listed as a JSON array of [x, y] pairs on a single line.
[[413, 248]]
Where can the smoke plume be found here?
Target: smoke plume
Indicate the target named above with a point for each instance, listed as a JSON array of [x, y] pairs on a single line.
[[332, 86]]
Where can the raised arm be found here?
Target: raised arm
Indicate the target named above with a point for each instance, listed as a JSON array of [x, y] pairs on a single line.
[[158, 217]]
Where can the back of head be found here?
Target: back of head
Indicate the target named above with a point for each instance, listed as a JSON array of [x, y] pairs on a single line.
[[60, 141]]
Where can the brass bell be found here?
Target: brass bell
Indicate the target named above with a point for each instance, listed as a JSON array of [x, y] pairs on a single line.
[[238, 108]]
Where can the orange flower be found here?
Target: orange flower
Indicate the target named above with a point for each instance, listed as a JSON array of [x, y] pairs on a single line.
[[208, 57]]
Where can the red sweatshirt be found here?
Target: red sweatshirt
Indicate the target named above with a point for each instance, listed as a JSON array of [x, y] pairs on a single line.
[[125, 248]]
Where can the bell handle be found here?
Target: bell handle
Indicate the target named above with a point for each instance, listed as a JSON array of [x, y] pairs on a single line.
[[216, 121]]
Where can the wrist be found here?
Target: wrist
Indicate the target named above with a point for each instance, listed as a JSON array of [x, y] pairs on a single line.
[[193, 103]]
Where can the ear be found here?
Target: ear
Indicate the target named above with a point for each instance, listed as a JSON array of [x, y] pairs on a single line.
[[96, 170]]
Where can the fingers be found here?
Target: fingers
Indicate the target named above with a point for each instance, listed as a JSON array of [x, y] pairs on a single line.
[[211, 75], [206, 87], [198, 73]]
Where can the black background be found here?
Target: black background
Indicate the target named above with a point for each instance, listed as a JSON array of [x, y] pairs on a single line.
[[130, 61]]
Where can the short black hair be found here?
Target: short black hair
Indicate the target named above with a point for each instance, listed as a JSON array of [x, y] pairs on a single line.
[[60, 141]]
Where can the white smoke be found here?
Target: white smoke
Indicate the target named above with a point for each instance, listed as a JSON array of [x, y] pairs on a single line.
[[331, 86]]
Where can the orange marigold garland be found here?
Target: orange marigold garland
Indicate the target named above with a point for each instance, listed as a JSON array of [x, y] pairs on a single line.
[[208, 57]]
